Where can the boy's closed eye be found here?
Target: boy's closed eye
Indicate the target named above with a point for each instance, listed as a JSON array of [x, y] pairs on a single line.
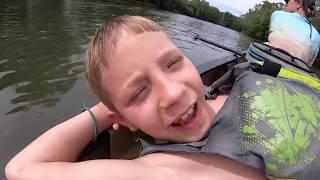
[[175, 63], [139, 94]]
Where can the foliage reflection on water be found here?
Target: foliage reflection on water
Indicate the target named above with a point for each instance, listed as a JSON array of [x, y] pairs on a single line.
[[44, 43]]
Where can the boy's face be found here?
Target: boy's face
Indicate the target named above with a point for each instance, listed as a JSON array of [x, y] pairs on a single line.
[[156, 89]]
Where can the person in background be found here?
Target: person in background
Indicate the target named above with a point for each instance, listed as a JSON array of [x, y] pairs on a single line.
[[292, 31]]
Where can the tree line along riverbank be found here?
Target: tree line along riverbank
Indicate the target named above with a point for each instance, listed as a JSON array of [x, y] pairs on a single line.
[[254, 23]]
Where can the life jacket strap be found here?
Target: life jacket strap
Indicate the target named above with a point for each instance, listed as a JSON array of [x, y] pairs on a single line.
[[270, 68], [299, 76], [276, 70]]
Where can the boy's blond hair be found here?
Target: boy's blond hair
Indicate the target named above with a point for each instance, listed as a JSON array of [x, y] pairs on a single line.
[[104, 44]]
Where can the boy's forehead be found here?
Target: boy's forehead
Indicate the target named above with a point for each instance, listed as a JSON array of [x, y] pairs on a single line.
[[141, 46], [133, 51], [137, 41]]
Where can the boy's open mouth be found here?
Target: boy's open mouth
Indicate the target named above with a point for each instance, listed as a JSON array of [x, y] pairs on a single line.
[[187, 117]]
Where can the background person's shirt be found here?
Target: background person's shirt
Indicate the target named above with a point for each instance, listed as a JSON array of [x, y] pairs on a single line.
[[293, 33]]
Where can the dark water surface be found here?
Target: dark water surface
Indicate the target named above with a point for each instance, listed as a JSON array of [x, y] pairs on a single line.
[[42, 43]]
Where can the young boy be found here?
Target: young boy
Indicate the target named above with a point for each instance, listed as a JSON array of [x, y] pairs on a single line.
[[149, 85]]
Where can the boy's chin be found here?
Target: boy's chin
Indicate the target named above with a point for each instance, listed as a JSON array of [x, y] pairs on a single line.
[[190, 139]]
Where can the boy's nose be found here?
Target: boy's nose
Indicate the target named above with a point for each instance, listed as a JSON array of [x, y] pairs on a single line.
[[172, 93]]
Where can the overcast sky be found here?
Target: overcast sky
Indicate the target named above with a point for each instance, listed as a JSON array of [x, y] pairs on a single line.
[[240, 6]]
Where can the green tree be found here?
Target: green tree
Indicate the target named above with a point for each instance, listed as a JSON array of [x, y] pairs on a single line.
[[199, 9], [256, 21], [227, 20], [316, 19]]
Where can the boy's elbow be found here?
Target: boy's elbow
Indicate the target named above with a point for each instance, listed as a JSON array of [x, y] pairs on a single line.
[[13, 171]]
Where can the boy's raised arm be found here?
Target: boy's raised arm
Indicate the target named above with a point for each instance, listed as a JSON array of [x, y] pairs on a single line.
[[53, 154], [86, 170]]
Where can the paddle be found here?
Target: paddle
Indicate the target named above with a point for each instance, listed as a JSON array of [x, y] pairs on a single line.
[[236, 51]]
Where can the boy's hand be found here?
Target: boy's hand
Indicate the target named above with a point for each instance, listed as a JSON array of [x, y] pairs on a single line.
[[115, 126], [102, 109], [102, 114]]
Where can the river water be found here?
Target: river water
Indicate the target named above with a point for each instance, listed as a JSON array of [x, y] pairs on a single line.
[[42, 43]]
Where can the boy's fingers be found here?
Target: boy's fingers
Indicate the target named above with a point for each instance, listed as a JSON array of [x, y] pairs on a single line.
[[115, 126]]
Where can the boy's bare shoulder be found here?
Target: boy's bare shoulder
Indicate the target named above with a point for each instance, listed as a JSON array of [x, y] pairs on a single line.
[[188, 166]]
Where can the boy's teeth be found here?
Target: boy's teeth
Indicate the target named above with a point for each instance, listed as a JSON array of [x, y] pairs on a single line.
[[186, 116], [190, 111]]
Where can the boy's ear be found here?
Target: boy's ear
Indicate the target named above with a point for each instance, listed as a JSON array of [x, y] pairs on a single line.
[[117, 118]]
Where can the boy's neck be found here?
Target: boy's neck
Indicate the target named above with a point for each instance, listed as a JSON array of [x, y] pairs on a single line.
[[217, 104]]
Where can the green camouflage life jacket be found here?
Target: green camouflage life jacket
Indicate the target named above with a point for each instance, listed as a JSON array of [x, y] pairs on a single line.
[[270, 121]]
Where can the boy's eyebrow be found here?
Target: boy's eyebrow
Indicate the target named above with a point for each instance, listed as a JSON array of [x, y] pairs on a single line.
[[132, 81], [138, 77], [168, 52]]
